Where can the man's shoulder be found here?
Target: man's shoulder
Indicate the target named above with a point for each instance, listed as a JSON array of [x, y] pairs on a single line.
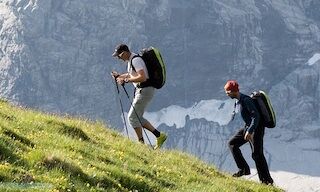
[[136, 59], [135, 56], [245, 99]]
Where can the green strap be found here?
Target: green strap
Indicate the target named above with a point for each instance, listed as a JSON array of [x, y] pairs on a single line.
[[163, 67], [270, 106]]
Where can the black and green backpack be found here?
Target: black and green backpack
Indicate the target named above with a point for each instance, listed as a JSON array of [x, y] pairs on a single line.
[[265, 108], [155, 66]]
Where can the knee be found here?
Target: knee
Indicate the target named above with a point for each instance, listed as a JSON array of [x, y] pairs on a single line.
[[133, 120], [130, 117], [231, 145]]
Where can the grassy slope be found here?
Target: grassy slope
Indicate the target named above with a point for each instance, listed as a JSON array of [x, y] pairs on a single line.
[[41, 152]]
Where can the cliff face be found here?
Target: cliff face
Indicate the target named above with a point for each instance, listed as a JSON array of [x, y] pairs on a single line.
[[55, 55]]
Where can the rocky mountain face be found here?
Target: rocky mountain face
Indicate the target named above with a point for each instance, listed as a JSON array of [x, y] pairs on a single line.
[[56, 56]]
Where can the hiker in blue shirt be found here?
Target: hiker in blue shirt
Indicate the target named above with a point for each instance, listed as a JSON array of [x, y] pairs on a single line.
[[137, 73], [252, 132]]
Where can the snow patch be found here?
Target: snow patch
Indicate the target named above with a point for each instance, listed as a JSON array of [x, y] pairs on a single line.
[[291, 182], [314, 59], [212, 110]]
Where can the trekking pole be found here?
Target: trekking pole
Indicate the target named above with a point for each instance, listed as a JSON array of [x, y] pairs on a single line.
[[121, 106], [136, 113]]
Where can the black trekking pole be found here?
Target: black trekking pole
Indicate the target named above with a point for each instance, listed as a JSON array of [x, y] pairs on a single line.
[[136, 113], [121, 106]]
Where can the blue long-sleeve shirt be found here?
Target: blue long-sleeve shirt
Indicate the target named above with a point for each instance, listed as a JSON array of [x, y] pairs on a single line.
[[249, 112]]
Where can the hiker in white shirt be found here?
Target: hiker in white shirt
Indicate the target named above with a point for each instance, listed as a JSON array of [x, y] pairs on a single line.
[[137, 73]]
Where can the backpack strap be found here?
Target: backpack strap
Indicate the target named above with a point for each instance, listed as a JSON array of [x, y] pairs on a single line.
[[131, 61], [234, 111]]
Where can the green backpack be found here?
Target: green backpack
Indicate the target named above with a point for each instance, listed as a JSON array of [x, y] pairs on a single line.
[[265, 108], [155, 66]]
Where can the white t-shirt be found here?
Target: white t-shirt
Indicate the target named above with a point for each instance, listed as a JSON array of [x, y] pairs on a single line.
[[138, 65]]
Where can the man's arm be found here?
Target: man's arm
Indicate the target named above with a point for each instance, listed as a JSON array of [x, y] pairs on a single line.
[[254, 114], [126, 77], [116, 75], [120, 78], [141, 77]]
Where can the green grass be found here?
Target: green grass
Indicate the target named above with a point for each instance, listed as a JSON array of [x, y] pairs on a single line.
[[42, 152]]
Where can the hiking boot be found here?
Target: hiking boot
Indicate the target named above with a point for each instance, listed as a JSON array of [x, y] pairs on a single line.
[[160, 140], [241, 172], [269, 182]]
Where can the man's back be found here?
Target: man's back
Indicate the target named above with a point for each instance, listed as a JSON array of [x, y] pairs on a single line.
[[249, 112]]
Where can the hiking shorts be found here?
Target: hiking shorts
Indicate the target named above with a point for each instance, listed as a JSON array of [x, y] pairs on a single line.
[[142, 98]]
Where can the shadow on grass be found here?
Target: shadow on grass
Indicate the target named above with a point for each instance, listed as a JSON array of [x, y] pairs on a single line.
[[3, 178], [7, 117], [17, 137], [52, 162], [119, 180], [106, 183], [106, 160], [3, 100], [135, 180], [70, 131], [6, 154]]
